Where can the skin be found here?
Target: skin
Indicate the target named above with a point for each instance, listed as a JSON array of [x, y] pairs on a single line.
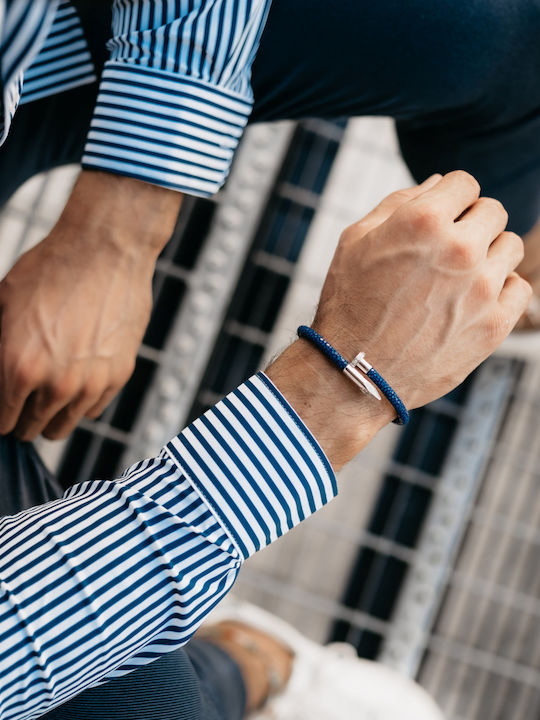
[[75, 307], [423, 284]]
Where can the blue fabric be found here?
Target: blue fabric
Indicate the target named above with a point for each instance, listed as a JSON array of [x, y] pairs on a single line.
[[222, 690], [197, 682], [175, 93], [461, 77]]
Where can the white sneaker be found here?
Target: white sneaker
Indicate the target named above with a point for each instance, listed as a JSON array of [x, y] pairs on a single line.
[[332, 683]]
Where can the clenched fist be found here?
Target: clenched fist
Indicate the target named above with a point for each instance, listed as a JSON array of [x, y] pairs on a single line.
[[74, 308], [425, 286]]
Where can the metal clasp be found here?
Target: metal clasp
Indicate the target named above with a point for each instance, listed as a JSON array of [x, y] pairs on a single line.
[[359, 378]]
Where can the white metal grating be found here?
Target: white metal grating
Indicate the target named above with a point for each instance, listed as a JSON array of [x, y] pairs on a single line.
[[483, 657]]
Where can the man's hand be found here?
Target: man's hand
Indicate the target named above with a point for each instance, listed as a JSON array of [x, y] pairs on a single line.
[[425, 286], [74, 308]]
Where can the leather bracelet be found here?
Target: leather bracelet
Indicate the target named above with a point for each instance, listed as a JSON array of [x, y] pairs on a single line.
[[358, 371]]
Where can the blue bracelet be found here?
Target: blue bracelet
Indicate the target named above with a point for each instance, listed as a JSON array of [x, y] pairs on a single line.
[[358, 371]]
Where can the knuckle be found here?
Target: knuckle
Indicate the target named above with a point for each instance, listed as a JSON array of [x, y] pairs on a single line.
[[62, 389], [495, 206], [347, 235], [120, 377], [423, 218], [398, 197], [117, 382], [515, 245], [93, 388], [527, 288], [6, 428], [52, 434], [55, 392], [523, 291], [484, 287], [466, 178], [94, 413], [26, 375], [72, 413], [461, 254], [351, 234]]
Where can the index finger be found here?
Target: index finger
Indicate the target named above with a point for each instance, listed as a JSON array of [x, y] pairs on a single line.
[[453, 194]]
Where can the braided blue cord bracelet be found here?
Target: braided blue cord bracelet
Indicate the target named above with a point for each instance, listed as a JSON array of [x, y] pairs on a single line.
[[358, 371]]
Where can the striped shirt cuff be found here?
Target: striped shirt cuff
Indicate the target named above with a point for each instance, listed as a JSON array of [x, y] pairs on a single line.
[[165, 129], [255, 464]]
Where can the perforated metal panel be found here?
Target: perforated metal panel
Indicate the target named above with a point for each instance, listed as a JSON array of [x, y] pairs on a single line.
[[482, 656]]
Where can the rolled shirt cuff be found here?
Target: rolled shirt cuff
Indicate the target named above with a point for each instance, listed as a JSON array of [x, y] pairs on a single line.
[[165, 129], [255, 464]]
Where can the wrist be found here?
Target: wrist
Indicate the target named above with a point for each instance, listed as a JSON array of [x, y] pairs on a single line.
[[340, 416], [121, 215]]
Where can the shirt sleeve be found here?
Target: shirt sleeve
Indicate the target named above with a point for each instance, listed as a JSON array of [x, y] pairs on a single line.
[[117, 573], [175, 95]]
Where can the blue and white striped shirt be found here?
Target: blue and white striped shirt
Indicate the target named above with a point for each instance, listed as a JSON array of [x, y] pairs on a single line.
[[174, 97], [116, 574]]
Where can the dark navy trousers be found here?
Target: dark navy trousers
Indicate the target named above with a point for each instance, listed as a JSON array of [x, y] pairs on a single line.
[[460, 77], [462, 80]]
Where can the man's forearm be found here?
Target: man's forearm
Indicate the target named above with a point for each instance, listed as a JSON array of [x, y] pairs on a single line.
[[133, 216]]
